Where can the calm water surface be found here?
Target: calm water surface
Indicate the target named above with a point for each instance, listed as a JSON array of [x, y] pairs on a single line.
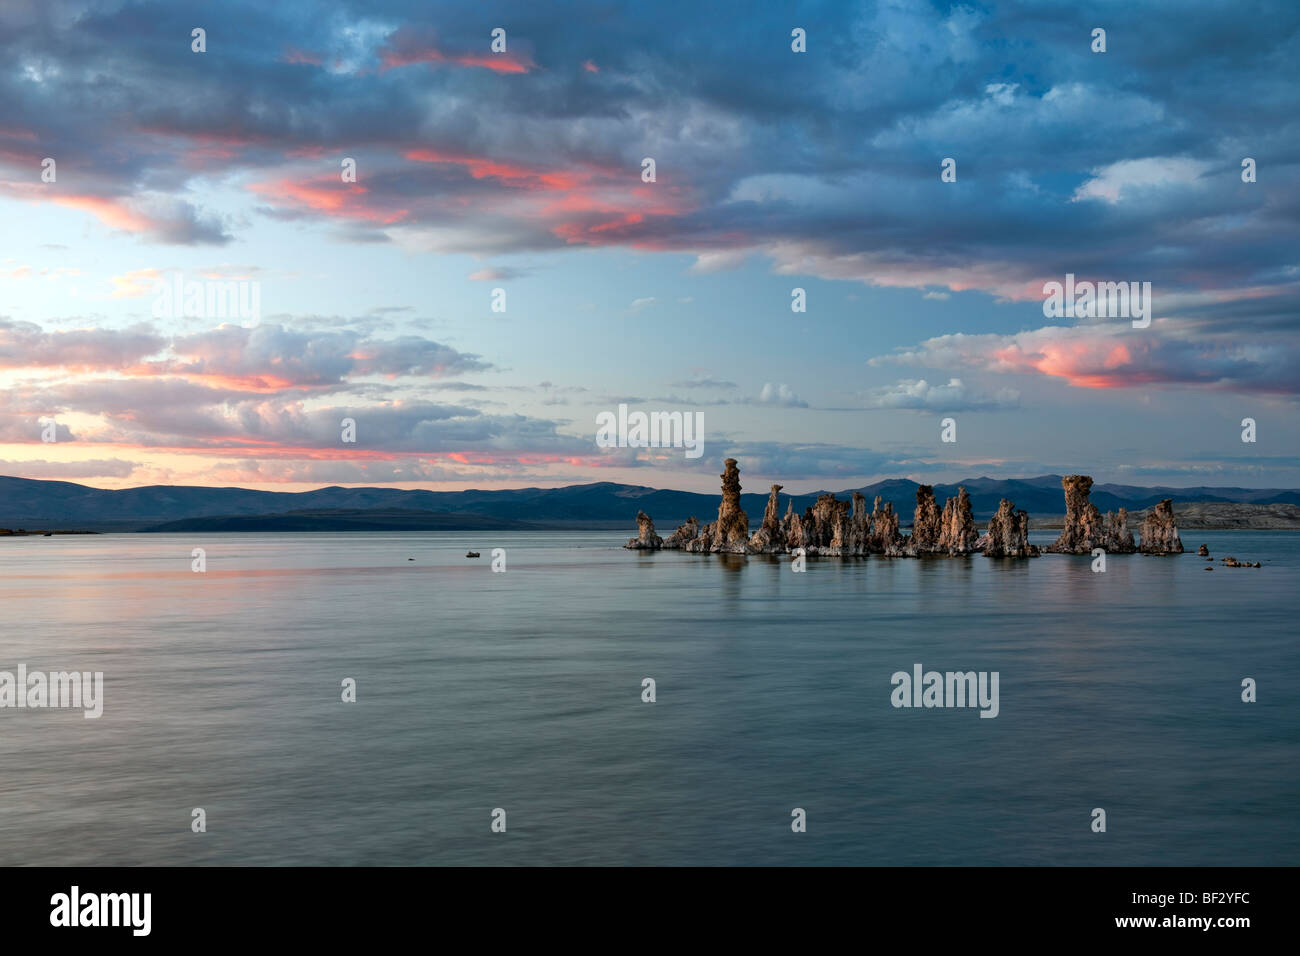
[[522, 690]]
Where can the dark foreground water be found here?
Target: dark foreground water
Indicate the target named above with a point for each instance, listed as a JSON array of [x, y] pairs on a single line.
[[522, 690]]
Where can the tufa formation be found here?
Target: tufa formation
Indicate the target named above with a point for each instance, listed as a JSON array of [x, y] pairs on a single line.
[[1159, 533], [730, 532], [957, 526], [1008, 534], [1086, 529], [836, 528], [646, 539]]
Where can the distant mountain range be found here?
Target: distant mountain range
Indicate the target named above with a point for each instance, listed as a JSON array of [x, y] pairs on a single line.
[[33, 504]]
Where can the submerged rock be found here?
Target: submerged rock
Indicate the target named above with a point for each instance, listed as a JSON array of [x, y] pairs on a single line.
[[1159, 532], [646, 539]]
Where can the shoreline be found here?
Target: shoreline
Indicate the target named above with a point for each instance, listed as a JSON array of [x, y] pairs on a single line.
[[39, 533], [617, 527]]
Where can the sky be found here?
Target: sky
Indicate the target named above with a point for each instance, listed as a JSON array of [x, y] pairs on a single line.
[[522, 170]]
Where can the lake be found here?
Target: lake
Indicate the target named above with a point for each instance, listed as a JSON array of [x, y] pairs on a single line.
[[522, 691]]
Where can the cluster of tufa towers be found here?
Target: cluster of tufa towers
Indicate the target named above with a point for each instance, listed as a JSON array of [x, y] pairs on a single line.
[[836, 528]]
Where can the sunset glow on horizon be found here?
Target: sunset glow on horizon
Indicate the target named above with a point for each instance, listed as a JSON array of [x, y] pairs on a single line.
[[521, 171]]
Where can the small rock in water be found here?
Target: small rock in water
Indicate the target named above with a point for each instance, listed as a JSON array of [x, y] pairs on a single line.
[[1203, 551]]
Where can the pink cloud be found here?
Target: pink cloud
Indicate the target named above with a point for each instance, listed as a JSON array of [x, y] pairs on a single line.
[[134, 284], [330, 196], [116, 213], [408, 46], [306, 57], [1116, 356], [481, 167]]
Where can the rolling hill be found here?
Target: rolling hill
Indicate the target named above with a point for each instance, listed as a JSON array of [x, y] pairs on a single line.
[[30, 503]]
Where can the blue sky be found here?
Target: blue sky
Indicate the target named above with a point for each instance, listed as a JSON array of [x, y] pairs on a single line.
[[521, 170]]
